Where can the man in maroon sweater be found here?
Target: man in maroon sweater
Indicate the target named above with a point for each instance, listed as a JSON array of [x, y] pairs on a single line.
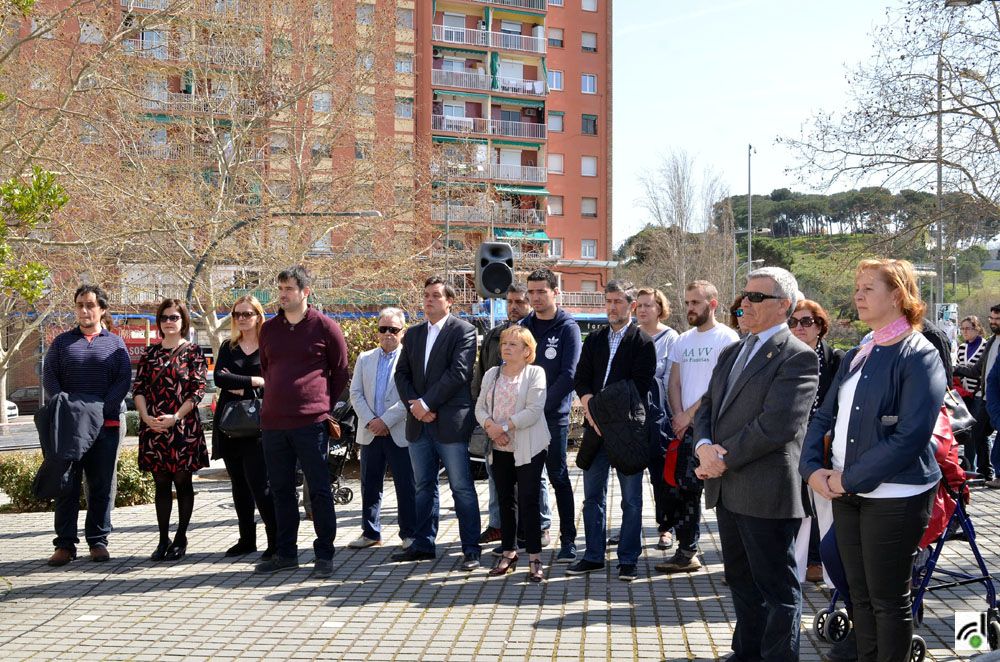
[[303, 358]]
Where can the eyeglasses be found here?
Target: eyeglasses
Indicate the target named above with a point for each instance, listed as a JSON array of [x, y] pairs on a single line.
[[170, 318], [806, 322], [967, 328], [243, 314], [389, 329], [757, 297]]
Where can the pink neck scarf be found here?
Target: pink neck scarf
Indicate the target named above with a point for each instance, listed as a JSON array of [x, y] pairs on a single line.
[[897, 328]]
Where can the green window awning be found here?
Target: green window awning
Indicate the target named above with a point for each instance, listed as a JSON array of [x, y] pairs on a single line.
[[464, 51], [471, 95], [521, 190], [557, 112], [517, 143], [516, 12], [160, 118], [537, 235], [450, 139], [524, 103], [439, 183]]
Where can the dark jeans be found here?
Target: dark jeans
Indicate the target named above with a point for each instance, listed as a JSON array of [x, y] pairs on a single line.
[[759, 559], [308, 446], [427, 456], [244, 460], [376, 456], [524, 505], [555, 464], [661, 494], [976, 447], [877, 540], [98, 463]]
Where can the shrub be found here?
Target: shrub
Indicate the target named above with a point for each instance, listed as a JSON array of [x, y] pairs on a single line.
[[132, 423], [17, 472]]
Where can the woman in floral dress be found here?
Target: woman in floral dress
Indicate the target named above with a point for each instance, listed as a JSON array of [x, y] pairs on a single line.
[[169, 384]]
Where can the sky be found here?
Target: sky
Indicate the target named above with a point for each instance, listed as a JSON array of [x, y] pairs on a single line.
[[711, 78]]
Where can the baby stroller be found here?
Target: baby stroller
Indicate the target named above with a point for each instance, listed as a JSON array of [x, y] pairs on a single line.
[[342, 451], [833, 624]]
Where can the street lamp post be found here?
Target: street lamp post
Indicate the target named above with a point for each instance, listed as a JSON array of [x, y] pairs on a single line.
[[940, 172], [749, 209]]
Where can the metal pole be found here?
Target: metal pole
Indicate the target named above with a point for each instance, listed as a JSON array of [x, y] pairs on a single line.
[[749, 212], [447, 219], [940, 176]]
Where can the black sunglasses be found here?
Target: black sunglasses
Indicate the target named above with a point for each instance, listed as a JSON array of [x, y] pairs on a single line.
[[243, 315], [170, 318], [806, 322], [758, 297], [389, 329]]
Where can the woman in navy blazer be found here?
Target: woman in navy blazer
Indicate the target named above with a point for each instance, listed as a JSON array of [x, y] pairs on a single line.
[[880, 470]]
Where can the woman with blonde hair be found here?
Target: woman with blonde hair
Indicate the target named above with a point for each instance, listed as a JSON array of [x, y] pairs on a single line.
[[881, 473], [511, 409], [238, 376]]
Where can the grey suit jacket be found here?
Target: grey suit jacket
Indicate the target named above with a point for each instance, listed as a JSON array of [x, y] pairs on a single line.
[[363, 399], [761, 427]]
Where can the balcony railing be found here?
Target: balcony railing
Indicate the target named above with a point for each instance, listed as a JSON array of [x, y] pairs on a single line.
[[494, 215], [517, 129], [140, 48], [223, 55], [582, 299], [504, 40], [218, 104], [161, 151], [523, 4], [460, 35], [517, 86], [152, 5], [518, 173], [470, 80]]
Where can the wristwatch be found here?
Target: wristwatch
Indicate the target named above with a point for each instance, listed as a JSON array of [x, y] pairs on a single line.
[[505, 428]]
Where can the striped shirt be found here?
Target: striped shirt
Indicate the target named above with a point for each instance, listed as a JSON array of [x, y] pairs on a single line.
[[614, 340], [383, 374], [98, 367], [971, 384]]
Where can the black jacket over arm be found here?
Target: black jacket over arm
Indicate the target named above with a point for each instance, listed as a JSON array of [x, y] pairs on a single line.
[[635, 360]]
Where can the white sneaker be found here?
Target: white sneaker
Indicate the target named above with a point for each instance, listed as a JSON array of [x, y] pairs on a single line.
[[363, 543], [406, 543]]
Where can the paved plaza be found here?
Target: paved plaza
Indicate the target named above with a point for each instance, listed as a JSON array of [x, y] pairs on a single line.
[[210, 607]]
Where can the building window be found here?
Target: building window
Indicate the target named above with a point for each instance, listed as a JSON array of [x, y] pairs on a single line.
[[365, 105], [556, 37], [588, 207], [43, 24], [281, 47], [589, 125], [555, 205], [321, 150], [365, 61], [555, 3], [404, 109], [404, 18], [90, 134], [588, 285], [365, 14], [556, 247], [588, 166], [589, 42], [555, 79], [90, 33], [588, 5], [588, 83], [555, 122], [279, 144], [404, 63], [556, 164], [588, 249], [322, 102], [362, 150]]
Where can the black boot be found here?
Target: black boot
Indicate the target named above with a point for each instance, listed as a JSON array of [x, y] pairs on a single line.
[[843, 651]]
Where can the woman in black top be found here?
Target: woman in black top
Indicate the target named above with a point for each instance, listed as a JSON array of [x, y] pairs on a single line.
[[238, 376]]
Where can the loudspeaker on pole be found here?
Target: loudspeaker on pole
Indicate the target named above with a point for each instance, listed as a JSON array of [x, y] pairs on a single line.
[[494, 269]]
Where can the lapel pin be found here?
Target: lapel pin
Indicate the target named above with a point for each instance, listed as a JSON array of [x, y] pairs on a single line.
[[770, 354]]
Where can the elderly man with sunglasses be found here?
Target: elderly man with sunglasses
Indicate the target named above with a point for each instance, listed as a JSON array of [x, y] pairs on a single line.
[[382, 433]]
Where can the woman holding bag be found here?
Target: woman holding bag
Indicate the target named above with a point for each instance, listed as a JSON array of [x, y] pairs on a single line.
[[238, 376], [510, 408], [169, 384]]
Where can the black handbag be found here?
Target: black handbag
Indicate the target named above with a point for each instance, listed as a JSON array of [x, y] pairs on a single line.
[[240, 419], [961, 418]]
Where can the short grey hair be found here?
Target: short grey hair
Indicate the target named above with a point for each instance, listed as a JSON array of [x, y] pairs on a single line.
[[785, 284], [394, 313]]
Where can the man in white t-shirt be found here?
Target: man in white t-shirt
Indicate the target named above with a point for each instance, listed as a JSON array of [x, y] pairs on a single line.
[[693, 357]]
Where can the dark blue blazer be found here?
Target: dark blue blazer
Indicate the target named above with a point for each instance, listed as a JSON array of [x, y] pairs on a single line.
[[895, 407]]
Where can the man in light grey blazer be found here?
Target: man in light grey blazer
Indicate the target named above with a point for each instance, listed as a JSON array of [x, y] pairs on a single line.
[[749, 428], [382, 432]]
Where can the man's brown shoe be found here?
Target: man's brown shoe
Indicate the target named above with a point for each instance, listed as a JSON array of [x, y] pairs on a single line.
[[814, 573], [61, 557], [99, 554]]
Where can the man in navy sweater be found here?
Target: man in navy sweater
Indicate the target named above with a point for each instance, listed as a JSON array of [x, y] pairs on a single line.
[[558, 338], [303, 358], [92, 361]]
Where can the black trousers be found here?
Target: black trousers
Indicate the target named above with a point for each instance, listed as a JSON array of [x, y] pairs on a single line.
[[976, 445], [522, 505], [877, 540], [244, 460]]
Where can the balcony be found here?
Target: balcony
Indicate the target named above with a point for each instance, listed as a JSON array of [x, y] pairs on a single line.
[[482, 38], [582, 299], [216, 104], [460, 124], [535, 88], [223, 55], [489, 215], [148, 49], [469, 80], [517, 173], [517, 129], [150, 5], [523, 4], [159, 151]]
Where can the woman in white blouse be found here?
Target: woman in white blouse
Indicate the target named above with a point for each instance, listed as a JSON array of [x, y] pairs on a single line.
[[511, 408]]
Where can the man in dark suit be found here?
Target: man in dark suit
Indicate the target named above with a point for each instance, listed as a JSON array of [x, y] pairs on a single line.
[[432, 376], [979, 444], [749, 428], [611, 354]]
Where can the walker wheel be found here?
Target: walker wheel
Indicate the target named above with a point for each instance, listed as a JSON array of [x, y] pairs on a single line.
[[819, 623], [343, 495], [918, 649], [993, 635], [837, 626]]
